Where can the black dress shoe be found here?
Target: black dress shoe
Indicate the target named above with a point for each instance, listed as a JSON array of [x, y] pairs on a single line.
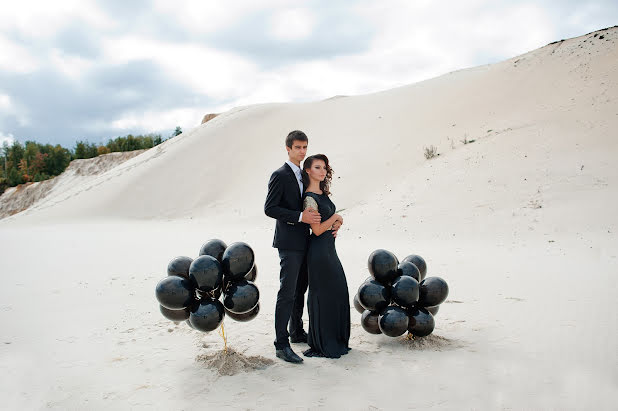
[[299, 338], [286, 354]]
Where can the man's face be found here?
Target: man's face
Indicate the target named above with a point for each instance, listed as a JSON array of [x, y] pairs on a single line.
[[298, 151]]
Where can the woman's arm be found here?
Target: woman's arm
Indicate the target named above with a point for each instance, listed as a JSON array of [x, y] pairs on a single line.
[[319, 229]]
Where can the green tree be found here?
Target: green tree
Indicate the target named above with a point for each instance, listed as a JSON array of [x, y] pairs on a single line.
[[37, 167], [16, 153], [84, 149], [57, 160], [14, 177], [80, 150], [5, 155]]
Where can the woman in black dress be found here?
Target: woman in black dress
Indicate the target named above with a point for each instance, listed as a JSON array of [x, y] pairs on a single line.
[[328, 300]]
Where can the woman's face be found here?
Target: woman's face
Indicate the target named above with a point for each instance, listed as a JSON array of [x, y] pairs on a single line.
[[317, 171]]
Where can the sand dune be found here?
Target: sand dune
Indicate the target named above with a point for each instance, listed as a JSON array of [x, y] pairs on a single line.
[[561, 91], [517, 213]]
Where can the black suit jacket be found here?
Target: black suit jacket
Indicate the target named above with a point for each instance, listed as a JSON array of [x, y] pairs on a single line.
[[284, 203]]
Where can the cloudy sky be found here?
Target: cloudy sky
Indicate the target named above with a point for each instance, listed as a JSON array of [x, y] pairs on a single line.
[[88, 69]]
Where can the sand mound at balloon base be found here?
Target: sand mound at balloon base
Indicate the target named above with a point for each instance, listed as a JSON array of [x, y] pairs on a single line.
[[233, 362], [431, 342]]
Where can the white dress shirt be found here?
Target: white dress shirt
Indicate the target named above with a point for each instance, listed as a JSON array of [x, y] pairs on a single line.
[[296, 171]]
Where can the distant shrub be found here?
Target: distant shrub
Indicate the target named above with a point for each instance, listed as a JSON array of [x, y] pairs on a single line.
[[103, 150], [466, 141], [431, 152]]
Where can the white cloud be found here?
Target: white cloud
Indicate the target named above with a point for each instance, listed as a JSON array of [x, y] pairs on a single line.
[[37, 22], [5, 102], [210, 16], [292, 24], [70, 65], [585, 13], [6, 138], [15, 58], [157, 120], [8, 108], [41, 19], [218, 74]]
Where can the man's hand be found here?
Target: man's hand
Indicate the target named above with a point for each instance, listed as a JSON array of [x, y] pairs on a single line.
[[310, 216], [336, 227]]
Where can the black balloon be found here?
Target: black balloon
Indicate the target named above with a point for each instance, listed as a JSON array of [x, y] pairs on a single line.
[[248, 316], [433, 310], [393, 321], [433, 291], [189, 324], [206, 273], [382, 266], [175, 292], [237, 261], [358, 305], [369, 321], [207, 315], [241, 297], [214, 248], [419, 262], [408, 269], [374, 296], [405, 291], [179, 266], [252, 275], [421, 322], [175, 315]]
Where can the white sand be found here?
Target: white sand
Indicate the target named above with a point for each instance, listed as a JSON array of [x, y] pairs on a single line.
[[522, 224]]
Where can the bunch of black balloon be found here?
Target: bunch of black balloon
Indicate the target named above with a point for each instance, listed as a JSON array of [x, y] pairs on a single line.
[[397, 297], [219, 282]]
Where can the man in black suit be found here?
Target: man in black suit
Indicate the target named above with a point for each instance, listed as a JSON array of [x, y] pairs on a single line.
[[284, 203]]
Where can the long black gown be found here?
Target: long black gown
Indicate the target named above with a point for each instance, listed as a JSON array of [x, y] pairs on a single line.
[[328, 300]]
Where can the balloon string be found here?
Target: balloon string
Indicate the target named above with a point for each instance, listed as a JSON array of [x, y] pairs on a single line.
[[222, 334]]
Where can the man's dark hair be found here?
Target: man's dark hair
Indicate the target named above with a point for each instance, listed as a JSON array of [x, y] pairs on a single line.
[[295, 135]]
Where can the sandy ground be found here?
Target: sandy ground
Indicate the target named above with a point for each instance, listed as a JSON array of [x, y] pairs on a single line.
[[521, 223]]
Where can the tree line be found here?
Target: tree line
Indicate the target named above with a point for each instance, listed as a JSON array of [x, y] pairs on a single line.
[[32, 161]]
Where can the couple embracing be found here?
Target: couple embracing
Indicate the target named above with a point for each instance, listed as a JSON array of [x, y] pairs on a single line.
[[298, 198]]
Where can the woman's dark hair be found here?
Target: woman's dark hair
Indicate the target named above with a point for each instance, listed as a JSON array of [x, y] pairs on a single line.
[[325, 184], [295, 135]]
